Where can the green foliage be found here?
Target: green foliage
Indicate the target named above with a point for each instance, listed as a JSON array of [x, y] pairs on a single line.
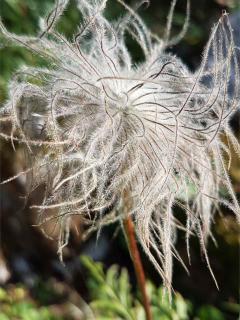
[[112, 297], [13, 13], [210, 312], [16, 305]]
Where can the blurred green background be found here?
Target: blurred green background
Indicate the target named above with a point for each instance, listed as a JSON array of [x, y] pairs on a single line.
[[34, 285]]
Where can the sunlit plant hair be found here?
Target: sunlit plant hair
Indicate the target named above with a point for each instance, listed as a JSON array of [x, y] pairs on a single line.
[[101, 131]]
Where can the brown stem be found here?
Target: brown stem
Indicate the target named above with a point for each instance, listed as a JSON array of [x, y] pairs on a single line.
[[134, 252]]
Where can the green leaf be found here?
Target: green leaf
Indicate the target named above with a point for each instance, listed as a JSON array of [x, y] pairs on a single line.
[[182, 307], [113, 308], [95, 269], [210, 312], [124, 289], [3, 295]]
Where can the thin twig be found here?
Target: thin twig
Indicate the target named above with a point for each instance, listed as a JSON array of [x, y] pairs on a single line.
[[128, 226]]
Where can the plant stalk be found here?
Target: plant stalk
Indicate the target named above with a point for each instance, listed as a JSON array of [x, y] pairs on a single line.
[[135, 255]]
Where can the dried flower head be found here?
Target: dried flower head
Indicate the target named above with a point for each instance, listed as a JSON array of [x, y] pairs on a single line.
[[101, 130]]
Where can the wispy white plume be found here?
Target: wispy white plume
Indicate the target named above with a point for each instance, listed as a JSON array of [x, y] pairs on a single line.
[[98, 126]]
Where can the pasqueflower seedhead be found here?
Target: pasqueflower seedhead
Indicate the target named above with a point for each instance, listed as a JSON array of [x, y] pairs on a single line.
[[101, 130]]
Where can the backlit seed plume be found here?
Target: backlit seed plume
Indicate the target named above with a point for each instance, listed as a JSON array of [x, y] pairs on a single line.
[[101, 131]]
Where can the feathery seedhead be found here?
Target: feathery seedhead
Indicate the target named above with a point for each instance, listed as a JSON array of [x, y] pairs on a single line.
[[98, 127]]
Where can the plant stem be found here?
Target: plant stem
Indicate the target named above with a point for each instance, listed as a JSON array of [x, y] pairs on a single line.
[[135, 255]]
